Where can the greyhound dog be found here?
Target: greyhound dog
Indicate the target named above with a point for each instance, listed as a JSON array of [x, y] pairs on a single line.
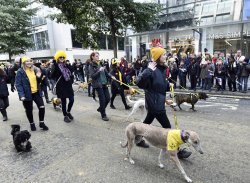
[[163, 139]]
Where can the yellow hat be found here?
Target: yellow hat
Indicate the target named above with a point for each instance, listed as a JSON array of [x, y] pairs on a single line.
[[114, 61], [156, 52], [24, 59], [60, 53]]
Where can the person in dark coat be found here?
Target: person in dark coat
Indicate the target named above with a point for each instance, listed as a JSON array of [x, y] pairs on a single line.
[[12, 72], [63, 75], [4, 93], [116, 87], [28, 79], [232, 69], [153, 81], [193, 71], [100, 76]]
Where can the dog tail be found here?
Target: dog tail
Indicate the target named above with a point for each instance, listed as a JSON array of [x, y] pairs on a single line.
[[125, 145], [130, 101]]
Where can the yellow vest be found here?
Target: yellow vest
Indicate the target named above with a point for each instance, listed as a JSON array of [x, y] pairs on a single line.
[[32, 78], [174, 140]]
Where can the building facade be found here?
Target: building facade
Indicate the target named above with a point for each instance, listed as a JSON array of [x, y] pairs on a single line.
[[193, 25], [49, 36]]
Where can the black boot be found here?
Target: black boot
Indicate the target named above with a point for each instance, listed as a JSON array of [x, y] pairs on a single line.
[[112, 106], [43, 126], [183, 153], [32, 126], [128, 107], [4, 113]]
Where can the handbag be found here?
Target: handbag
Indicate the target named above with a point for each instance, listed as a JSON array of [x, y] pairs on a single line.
[[54, 89]]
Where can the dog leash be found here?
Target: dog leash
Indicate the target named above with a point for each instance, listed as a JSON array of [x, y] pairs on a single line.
[[128, 86], [175, 117]]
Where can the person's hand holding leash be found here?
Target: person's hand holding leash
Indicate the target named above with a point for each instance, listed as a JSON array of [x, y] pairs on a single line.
[[152, 65], [101, 69], [22, 98], [13, 88]]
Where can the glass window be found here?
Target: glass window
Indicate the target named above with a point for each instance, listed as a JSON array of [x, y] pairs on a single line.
[[206, 20], [208, 9], [41, 41], [120, 43], [246, 10], [110, 43], [223, 18]]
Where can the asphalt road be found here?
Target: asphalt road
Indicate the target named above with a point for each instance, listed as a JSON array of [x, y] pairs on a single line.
[[88, 149]]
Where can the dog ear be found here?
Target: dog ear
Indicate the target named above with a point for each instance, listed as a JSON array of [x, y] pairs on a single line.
[[186, 135]]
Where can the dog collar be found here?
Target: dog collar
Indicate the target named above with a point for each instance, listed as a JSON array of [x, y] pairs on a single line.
[[183, 136]]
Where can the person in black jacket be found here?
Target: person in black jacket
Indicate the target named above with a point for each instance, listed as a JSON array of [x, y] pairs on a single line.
[[153, 81], [4, 93], [100, 76], [116, 87], [193, 71], [232, 69], [62, 73]]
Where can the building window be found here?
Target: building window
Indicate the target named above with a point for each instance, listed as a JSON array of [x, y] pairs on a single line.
[[223, 18], [41, 41], [120, 43], [206, 20], [38, 21], [208, 9], [224, 7]]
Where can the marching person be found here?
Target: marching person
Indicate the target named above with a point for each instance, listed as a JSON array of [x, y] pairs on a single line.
[[28, 79], [62, 73], [4, 93], [153, 81], [116, 87], [99, 76]]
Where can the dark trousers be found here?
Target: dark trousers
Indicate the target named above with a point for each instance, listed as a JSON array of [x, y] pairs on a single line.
[[104, 98], [121, 92], [231, 81], [182, 82], [4, 103], [193, 81], [28, 105], [64, 105], [161, 117]]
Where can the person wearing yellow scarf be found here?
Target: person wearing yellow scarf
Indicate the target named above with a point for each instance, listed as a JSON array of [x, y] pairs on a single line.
[[116, 85]]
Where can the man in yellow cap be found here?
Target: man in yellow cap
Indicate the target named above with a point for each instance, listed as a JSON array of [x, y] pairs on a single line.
[[155, 84]]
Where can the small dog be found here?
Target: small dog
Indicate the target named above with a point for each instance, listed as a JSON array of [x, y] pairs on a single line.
[[21, 139], [168, 140], [189, 98], [56, 102], [137, 105], [130, 91], [82, 85]]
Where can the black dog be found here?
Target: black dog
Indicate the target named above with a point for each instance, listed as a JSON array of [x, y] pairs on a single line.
[[189, 98], [21, 139]]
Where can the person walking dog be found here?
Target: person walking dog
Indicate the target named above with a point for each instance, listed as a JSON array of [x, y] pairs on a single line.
[[28, 79], [62, 73], [153, 81]]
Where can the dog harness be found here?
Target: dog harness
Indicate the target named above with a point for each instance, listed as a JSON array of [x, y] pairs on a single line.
[[174, 139]]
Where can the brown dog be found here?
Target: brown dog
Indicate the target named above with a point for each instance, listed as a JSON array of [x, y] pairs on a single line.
[[189, 98], [82, 85], [56, 102], [130, 91]]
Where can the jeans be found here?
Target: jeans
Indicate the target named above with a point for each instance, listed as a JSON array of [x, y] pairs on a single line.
[[243, 83], [104, 98], [28, 105]]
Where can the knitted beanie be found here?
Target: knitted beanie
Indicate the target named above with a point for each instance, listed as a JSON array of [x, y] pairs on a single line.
[[156, 52], [24, 59]]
